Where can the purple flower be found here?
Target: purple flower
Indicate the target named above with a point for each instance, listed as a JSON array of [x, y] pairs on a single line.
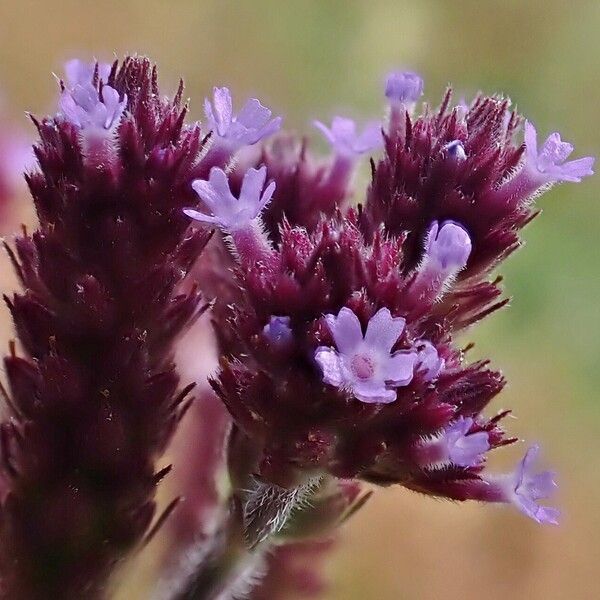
[[428, 360], [403, 87], [346, 141], [249, 126], [524, 488], [227, 211], [447, 248], [464, 450], [278, 331], [79, 72], [364, 365], [86, 108], [456, 150], [548, 163]]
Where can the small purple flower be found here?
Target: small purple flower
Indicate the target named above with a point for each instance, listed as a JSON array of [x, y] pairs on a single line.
[[548, 163], [364, 365], [249, 126], [524, 488], [428, 360], [464, 449], [346, 141], [79, 72], [86, 108], [278, 331], [447, 248], [227, 211], [404, 87], [456, 150], [454, 445]]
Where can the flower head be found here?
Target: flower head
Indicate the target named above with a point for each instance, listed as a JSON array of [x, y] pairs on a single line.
[[79, 72], [87, 108], [548, 162], [227, 211], [524, 487], [365, 365], [403, 87], [252, 123], [346, 141], [447, 247]]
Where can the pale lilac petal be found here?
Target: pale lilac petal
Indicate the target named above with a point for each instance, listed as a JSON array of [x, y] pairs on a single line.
[[325, 131], [223, 109], [399, 368], [252, 185], [329, 361], [267, 195], [384, 330], [373, 392], [346, 330], [198, 216], [253, 114]]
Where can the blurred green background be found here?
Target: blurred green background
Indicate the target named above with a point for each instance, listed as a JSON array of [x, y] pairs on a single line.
[[309, 59]]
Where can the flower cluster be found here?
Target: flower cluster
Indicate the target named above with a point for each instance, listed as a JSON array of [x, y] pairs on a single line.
[[338, 341], [336, 326]]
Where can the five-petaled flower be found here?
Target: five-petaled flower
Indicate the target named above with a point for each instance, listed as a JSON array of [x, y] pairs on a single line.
[[365, 365], [346, 141], [524, 487], [251, 124], [548, 163], [87, 108], [226, 211]]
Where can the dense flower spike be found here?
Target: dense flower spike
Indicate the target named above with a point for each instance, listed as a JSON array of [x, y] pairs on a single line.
[[95, 397], [365, 366]]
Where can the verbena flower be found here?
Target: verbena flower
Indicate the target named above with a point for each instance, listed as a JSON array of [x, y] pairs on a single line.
[[345, 139], [365, 365], [86, 107], [525, 487], [250, 125], [548, 164], [79, 72], [228, 212]]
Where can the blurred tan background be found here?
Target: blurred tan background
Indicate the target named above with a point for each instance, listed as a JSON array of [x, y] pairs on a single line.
[[310, 58]]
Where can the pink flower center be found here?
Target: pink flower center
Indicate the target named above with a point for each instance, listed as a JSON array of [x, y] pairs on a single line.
[[362, 366]]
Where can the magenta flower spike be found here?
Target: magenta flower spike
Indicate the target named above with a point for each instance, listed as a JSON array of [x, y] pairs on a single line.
[[365, 365]]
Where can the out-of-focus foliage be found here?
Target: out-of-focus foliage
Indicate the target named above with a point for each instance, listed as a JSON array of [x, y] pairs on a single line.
[[311, 58]]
